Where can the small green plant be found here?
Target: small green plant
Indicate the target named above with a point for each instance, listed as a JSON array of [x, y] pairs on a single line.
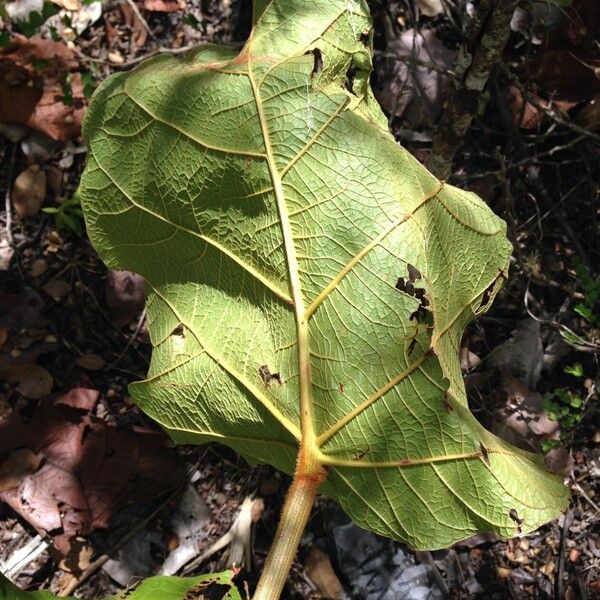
[[68, 215], [565, 407], [591, 290], [31, 25]]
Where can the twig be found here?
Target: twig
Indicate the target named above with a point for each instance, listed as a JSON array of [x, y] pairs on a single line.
[[130, 341], [133, 61], [102, 559], [138, 14], [564, 532], [436, 574], [552, 114], [581, 491], [7, 205], [477, 57], [531, 176], [22, 557]]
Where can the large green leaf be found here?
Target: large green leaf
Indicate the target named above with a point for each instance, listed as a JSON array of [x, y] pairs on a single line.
[[280, 227], [217, 586]]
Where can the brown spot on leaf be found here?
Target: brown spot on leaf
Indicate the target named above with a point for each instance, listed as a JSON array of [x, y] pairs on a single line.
[[484, 454], [447, 406], [412, 345]]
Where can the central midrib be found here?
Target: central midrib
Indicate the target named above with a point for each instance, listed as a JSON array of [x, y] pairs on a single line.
[[307, 427]]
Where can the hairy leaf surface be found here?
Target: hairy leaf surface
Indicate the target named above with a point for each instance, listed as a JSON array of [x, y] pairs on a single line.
[[309, 279]]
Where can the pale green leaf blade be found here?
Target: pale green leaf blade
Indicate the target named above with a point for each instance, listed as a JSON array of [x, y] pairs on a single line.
[[153, 588], [307, 276]]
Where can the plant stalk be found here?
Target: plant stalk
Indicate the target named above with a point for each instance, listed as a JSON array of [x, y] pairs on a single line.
[[296, 510]]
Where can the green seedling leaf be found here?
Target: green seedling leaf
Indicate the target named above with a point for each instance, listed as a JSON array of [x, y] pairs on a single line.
[[576, 370], [585, 311], [67, 90], [308, 280], [31, 26], [89, 84], [216, 585], [68, 215]]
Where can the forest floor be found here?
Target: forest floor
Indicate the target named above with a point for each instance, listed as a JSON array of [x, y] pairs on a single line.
[[70, 329]]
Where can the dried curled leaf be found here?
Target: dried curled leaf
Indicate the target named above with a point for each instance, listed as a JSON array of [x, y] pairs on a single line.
[[308, 280]]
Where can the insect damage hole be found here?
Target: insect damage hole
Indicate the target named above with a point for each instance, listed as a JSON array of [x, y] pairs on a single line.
[[489, 292], [409, 288], [268, 377], [514, 515], [349, 80], [318, 60], [179, 330], [484, 454]]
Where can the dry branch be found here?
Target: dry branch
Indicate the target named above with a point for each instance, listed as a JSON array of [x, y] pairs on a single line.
[[485, 39]]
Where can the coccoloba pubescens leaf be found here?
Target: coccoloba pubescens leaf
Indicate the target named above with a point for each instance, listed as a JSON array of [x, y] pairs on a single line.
[[309, 281]]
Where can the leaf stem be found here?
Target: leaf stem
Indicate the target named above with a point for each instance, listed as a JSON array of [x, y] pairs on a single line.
[[296, 510]]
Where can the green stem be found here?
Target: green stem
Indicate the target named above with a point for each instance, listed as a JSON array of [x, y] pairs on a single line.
[[296, 510]]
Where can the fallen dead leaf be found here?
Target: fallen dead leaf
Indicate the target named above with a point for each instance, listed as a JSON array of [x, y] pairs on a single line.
[[125, 293], [90, 471], [6, 254], [116, 57], [522, 420], [559, 460], [411, 89], [68, 4], [574, 554], [589, 116], [56, 288], [32, 381], [187, 527], [319, 570], [164, 5], [527, 113], [38, 267], [139, 33], [566, 68], [16, 466], [523, 355], [90, 362], [22, 310], [33, 95], [3, 336], [468, 360], [430, 8], [29, 191]]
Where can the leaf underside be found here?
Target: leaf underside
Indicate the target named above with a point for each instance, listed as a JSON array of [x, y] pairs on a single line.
[[308, 279]]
